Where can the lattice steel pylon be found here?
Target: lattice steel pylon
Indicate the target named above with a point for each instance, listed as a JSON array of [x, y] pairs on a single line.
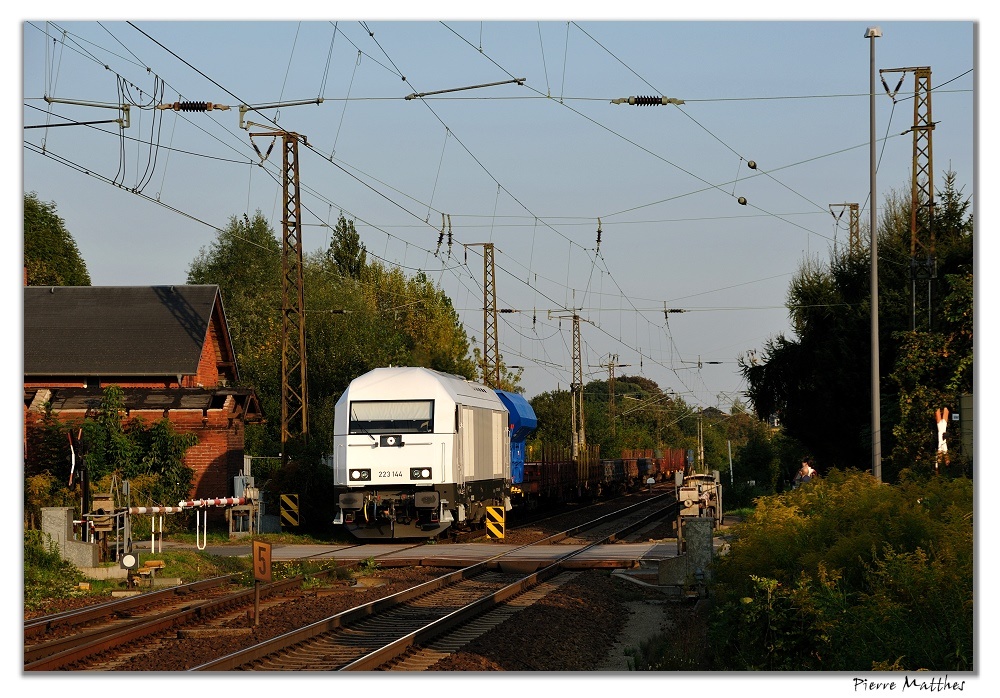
[[854, 226], [579, 432], [923, 265], [294, 394], [612, 360], [611, 366], [491, 339], [579, 440]]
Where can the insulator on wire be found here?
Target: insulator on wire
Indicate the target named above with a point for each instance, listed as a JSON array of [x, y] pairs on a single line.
[[193, 106], [646, 101]]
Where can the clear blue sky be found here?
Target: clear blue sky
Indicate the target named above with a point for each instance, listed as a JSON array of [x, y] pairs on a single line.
[[531, 168]]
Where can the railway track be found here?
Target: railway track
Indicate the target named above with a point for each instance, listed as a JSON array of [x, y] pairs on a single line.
[[118, 635], [55, 625], [421, 658], [552, 520], [419, 626], [77, 636]]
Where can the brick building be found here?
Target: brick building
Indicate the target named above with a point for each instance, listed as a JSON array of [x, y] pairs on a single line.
[[167, 347]]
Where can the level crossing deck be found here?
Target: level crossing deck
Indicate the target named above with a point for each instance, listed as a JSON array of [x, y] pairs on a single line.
[[402, 554]]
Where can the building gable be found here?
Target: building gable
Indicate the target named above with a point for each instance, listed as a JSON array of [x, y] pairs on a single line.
[[127, 334]]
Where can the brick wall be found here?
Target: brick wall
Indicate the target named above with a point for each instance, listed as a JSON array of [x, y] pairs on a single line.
[[208, 364], [217, 457]]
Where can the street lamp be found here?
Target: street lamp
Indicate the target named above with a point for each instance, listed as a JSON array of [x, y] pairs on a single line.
[[873, 33]]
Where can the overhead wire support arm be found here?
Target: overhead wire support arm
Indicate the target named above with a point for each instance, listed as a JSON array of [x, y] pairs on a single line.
[[700, 363], [245, 108], [418, 95], [123, 121], [196, 106]]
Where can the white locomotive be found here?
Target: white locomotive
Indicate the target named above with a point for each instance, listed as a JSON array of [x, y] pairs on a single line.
[[416, 451]]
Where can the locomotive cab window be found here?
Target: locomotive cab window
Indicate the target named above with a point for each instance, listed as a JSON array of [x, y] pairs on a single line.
[[391, 417]]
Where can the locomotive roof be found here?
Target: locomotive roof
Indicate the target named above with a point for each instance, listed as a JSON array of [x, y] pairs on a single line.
[[418, 383]]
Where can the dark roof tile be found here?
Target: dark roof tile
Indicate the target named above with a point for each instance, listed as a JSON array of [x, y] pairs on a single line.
[[116, 330]]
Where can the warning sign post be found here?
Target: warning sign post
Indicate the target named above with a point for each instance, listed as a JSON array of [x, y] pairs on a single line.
[[495, 520], [290, 510], [261, 573]]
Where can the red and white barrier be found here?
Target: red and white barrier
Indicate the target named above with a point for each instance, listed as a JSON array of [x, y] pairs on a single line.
[[155, 510], [216, 502]]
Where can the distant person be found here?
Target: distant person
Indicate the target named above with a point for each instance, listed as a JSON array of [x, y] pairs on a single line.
[[805, 474]]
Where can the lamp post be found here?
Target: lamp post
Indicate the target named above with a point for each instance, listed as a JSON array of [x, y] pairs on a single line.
[[871, 34]]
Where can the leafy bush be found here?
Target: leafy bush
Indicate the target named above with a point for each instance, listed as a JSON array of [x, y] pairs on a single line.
[[150, 456], [46, 574], [847, 573], [45, 490]]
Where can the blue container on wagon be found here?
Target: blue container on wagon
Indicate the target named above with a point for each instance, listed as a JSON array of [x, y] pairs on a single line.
[[522, 422]]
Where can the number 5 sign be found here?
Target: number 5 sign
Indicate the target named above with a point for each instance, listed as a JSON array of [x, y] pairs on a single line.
[[261, 561]]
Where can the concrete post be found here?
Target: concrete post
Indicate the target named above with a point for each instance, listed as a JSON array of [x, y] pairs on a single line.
[[694, 567], [57, 523]]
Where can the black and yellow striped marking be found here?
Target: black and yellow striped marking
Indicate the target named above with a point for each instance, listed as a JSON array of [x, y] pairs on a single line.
[[289, 510], [495, 522]]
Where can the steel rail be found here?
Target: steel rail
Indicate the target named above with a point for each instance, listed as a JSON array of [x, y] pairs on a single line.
[[44, 624], [70, 650], [437, 627], [432, 631]]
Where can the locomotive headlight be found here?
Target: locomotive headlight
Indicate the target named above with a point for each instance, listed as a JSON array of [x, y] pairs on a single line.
[[361, 475], [420, 473]]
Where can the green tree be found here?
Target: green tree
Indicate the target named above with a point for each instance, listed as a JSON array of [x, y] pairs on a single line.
[[757, 461], [817, 381], [245, 262], [422, 318], [347, 253], [129, 448], [932, 370], [51, 257], [552, 409], [933, 367], [647, 418]]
